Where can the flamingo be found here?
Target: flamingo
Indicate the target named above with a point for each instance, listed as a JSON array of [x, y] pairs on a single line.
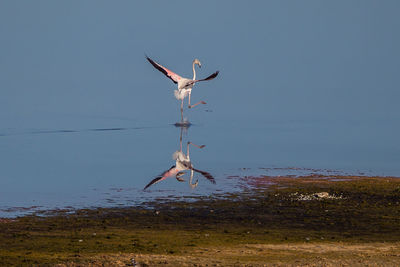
[[185, 85], [182, 164]]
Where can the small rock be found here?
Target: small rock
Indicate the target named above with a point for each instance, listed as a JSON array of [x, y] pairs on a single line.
[[322, 195]]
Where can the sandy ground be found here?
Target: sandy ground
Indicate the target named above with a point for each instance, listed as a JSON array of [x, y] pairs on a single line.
[[306, 254], [308, 221]]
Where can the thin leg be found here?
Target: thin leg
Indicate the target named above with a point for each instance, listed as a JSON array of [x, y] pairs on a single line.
[[187, 148], [182, 111], [180, 140], [192, 185], [201, 102], [196, 145], [192, 106]]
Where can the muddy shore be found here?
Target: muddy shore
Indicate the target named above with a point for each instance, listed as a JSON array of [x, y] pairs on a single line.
[[311, 220]]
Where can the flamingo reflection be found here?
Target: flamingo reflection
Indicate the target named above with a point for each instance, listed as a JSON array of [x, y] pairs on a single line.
[[182, 164]]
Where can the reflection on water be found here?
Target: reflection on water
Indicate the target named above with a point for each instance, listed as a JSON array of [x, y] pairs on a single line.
[[183, 164], [107, 164]]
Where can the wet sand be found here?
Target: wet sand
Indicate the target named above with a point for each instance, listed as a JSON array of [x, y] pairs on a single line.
[[278, 221]]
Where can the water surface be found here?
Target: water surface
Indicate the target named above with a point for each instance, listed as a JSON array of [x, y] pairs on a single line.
[[77, 167]]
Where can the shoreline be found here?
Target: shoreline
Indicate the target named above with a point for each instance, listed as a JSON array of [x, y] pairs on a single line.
[[279, 220]]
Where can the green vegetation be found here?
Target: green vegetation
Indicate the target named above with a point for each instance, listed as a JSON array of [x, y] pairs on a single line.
[[350, 211]]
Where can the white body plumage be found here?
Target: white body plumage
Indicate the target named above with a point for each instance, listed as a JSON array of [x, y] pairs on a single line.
[[185, 85]]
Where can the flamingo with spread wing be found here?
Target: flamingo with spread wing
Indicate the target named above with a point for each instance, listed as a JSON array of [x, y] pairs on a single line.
[[182, 164], [185, 85]]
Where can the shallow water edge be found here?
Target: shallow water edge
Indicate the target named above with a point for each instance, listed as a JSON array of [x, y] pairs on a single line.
[[308, 211]]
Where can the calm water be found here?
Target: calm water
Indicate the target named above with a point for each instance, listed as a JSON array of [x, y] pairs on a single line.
[[86, 121], [109, 165]]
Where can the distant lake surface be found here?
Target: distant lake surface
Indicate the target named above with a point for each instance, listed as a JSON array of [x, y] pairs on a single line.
[[110, 161]]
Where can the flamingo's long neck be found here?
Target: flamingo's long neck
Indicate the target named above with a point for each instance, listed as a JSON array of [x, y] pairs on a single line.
[[194, 72]]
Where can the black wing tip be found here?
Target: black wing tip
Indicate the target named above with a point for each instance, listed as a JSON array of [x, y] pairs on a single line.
[[211, 178], [155, 180], [149, 59], [206, 175], [160, 68], [212, 76]]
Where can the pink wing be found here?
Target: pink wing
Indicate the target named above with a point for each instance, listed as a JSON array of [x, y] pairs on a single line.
[[172, 75], [172, 171]]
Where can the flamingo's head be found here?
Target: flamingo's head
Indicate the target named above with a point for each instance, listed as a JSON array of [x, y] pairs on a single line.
[[179, 176], [196, 61]]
